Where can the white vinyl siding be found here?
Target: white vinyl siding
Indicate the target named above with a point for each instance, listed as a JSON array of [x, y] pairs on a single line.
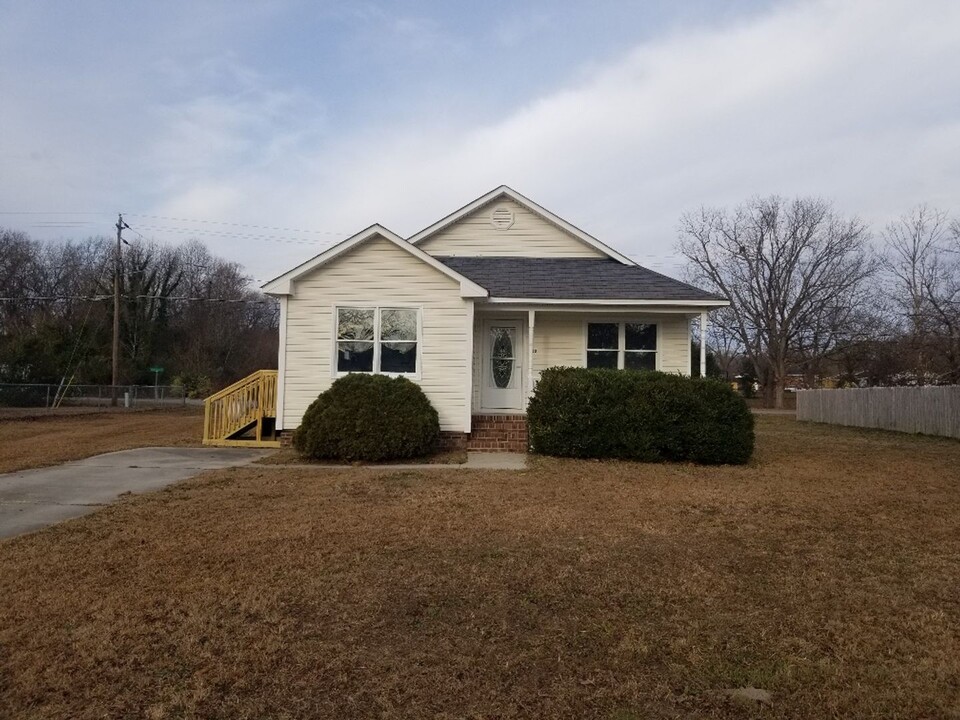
[[377, 274], [529, 236], [674, 344]]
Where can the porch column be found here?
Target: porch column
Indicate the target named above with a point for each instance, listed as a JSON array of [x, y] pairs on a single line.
[[703, 344], [531, 320], [468, 398]]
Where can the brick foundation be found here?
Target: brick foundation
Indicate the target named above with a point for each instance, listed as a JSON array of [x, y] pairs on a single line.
[[490, 433], [452, 441], [499, 433]]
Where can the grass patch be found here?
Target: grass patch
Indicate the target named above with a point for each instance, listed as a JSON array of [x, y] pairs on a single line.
[[36, 441], [825, 571]]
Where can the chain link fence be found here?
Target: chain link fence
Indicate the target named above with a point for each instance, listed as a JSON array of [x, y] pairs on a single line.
[[51, 395]]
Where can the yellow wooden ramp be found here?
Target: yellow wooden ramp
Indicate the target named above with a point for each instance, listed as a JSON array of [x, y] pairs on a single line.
[[244, 414]]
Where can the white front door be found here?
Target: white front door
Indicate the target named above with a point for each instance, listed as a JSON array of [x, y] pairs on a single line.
[[502, 370]]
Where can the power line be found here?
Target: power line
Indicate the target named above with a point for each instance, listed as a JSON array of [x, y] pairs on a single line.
[[139, 234], [241, 236], [200, 221], [101, 298], [49, 212], [236, 224]]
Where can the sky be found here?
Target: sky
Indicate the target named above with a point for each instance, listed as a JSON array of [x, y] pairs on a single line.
[[270, 130]]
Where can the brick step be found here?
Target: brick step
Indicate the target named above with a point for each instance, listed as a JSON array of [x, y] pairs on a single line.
[[498, 433]]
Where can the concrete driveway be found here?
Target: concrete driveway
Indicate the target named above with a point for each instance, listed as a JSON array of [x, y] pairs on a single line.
[[32, 499]]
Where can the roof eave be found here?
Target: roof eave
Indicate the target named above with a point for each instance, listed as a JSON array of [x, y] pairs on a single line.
[[639, 302]]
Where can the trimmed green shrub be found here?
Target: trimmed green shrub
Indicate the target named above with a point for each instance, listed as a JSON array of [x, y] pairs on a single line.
[[369, 417], [647, 416]]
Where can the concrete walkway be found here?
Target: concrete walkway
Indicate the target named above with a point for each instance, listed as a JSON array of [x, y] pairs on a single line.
[[495, 461], [32, 499]]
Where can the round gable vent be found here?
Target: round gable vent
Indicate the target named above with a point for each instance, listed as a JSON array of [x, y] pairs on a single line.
[[501, 218]]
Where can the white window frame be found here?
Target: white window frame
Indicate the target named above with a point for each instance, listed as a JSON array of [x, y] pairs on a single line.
[[621, 324], [335, 352]]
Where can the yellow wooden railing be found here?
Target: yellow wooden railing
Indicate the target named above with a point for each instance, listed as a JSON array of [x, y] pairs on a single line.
[[248, 402]]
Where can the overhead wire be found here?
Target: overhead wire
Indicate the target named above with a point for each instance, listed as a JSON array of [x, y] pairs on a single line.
[[102, 298], [301, 231], [269, 236], [50, 212], [240, 236]]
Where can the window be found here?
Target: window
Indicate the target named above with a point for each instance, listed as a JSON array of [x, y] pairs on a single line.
[[603, 345], [630, 345], [381, 340], [398, 340], [639, 346]]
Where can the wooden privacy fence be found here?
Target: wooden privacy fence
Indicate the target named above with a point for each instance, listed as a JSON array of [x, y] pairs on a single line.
[[931, 410]]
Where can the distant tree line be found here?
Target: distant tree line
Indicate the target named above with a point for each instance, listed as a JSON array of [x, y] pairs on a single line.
[[815, 295], [183, 309]]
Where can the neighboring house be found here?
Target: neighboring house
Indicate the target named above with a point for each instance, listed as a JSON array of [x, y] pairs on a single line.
[[472, 308]]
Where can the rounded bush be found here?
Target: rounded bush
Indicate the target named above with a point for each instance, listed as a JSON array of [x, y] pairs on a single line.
[[369, 417], [647, 416]]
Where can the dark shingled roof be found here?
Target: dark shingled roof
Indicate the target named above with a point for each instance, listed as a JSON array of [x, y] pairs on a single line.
[[571, 279]]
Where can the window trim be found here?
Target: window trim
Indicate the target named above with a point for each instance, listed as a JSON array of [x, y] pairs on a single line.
[[621, 323], [335, 372]]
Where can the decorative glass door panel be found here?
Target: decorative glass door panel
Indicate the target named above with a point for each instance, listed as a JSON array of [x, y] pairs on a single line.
[[502, 342], [502, 366]]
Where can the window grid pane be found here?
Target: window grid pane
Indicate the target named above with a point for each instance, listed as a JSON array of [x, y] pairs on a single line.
[[640, 336], [398, 357], [640, 360], [603, 336], [354, 356], [398, 324], [355, 324], [602, 358]]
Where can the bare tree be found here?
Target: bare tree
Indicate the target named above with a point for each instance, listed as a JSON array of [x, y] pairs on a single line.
[[922, 263], [946, 304], [722, 339], [19, 271], [795, 274], [913, 245], [182, 308]]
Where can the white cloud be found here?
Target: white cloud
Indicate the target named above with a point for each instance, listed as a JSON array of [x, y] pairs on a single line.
[[854, 100]]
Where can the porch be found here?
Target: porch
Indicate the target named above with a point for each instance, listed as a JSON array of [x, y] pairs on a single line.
[[512, 346]]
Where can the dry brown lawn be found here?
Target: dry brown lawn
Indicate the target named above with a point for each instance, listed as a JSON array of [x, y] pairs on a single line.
[[36, 440], [789, 402], [827, 572]]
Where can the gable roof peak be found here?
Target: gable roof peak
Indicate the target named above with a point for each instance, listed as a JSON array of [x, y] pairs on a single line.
[[284, 284], [506, 190]]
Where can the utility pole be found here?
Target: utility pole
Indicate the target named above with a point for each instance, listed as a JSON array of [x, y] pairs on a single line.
[[116, 316]]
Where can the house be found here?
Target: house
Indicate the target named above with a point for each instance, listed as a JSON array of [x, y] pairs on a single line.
[[472, 308]]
